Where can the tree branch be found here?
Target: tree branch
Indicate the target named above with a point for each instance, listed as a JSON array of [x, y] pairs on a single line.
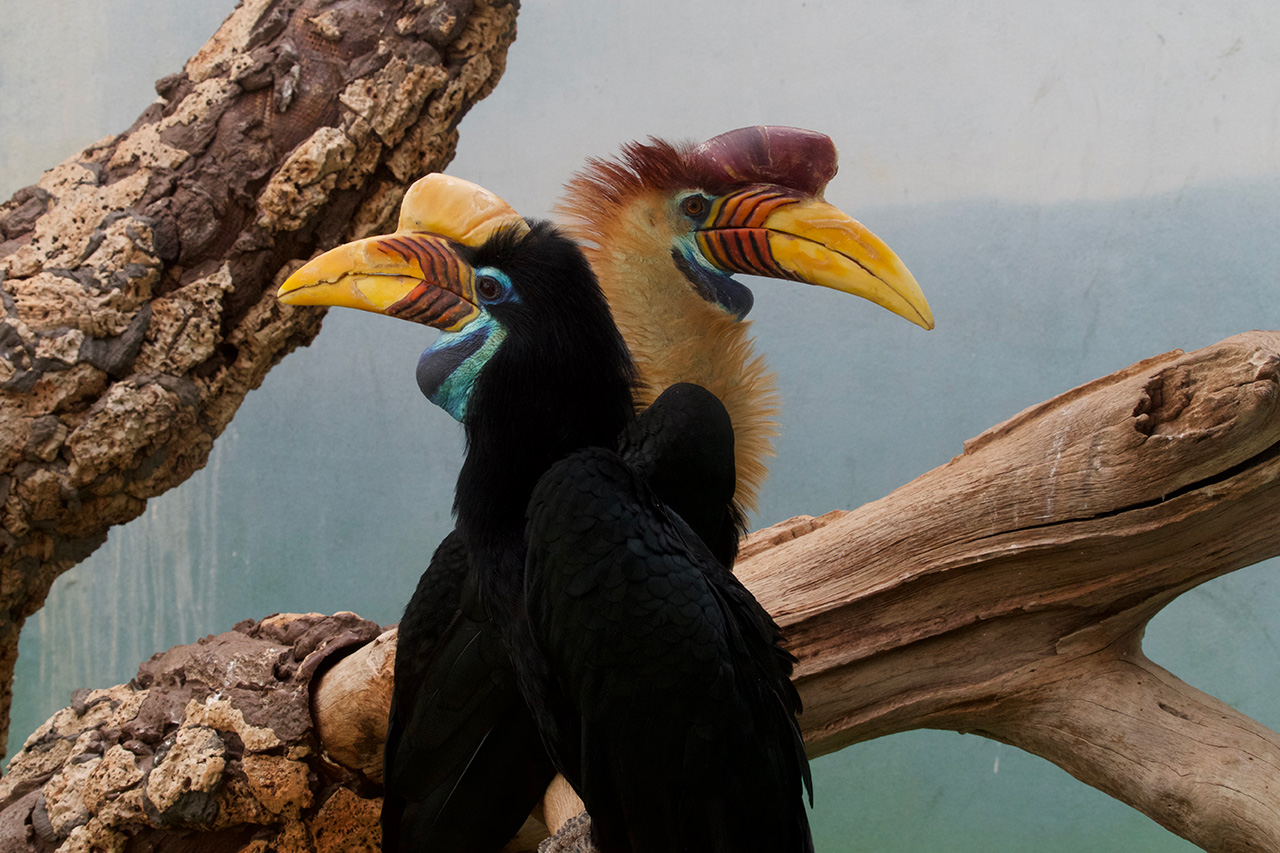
[[1130, 728], [1004, 593], [137, 278], [1055, 536]]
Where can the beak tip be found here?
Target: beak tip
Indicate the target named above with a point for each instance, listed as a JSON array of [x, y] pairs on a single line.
[[917, 312], [290, 292]]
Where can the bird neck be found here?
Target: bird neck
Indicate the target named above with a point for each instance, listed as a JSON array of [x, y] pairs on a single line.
[[676, 336], [534, 403]]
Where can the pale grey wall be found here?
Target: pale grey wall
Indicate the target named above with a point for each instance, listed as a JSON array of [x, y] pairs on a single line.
[[1075, 185]]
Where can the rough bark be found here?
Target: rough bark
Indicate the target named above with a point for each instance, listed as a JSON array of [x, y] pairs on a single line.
[[211, 747], [1004, 593], [136, 278]]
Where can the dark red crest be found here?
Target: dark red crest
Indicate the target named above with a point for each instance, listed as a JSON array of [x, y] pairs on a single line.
[[791, 157]]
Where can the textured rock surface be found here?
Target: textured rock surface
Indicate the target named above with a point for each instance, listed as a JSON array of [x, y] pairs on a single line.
[[210, 745], [137, 277]]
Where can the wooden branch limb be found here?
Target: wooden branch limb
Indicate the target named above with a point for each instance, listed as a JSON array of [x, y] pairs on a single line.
[[211, 747], [359, 681], [1130, 728], [1055, 535], [1004, 593], [137, 277], [981, 595]]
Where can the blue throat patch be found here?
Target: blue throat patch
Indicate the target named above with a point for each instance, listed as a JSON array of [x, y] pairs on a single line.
[[447, 371], [715, 287]]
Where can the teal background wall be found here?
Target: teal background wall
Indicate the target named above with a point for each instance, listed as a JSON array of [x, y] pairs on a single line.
[[1075, 185]]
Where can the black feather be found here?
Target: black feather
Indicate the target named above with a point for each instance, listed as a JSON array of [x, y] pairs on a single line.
[[657, 683], [464, 764]]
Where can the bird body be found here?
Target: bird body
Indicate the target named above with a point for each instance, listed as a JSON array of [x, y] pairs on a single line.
[[622, 627], [653, 676], [683, 730]]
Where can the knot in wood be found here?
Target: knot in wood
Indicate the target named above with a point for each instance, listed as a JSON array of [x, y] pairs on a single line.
[[1163, 399]]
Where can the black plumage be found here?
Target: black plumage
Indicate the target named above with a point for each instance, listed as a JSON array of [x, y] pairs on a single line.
[[464, 762], [682, 447], [683, 735], [655, 679], [464, 765]]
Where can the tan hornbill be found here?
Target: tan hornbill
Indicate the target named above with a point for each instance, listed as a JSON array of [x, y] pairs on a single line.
[[667, 224]]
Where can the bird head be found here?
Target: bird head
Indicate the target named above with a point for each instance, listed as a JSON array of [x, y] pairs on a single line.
[[462, 261], [747, 201]]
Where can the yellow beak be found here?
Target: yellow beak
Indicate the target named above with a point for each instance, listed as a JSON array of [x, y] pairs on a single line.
[[416, 277], [769, 231], [415, 273]]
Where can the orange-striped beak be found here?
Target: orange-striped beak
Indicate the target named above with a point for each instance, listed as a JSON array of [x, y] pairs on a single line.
[[415, 273], [770, 231], [413, 276]]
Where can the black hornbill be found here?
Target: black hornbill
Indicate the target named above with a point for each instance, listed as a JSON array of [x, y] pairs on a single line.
[[663, 263], [656, 680]]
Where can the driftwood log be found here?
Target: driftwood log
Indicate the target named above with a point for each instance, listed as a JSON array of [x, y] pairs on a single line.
[[1003, 594], [137, 278]]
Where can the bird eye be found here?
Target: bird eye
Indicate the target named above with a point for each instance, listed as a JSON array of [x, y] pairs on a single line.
[[488, 288], [694, 205]]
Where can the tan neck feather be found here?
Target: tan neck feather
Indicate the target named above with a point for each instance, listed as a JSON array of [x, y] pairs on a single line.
[[676, 336]]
